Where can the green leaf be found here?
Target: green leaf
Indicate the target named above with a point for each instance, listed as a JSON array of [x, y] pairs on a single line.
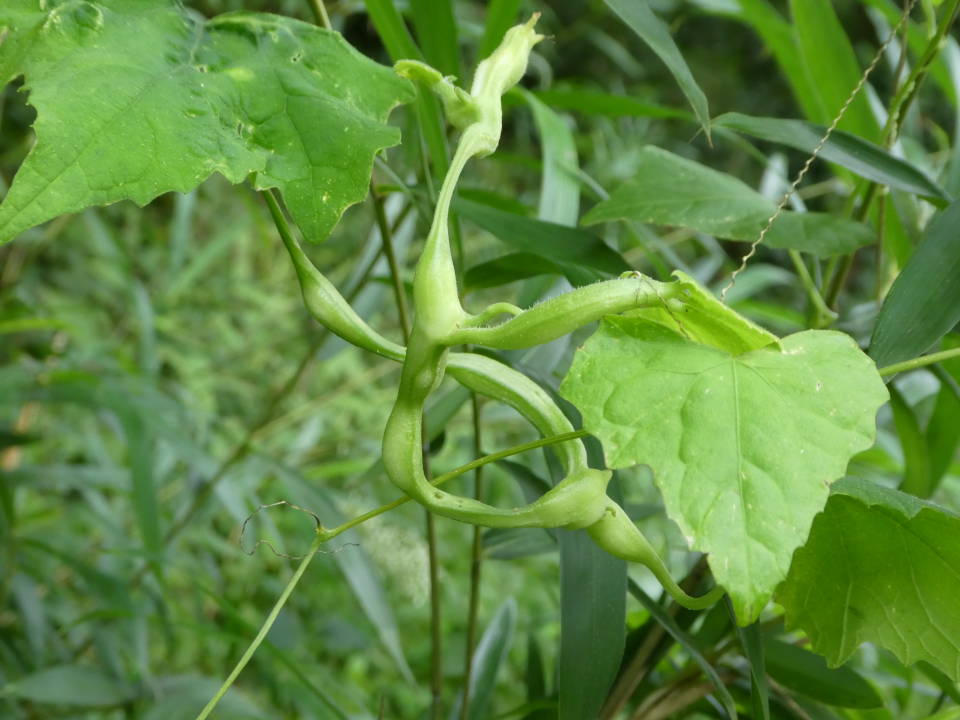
[[501, 15], [179, 697], [807, 673], [831, 64], [437, 33], [924, 302], [136, 98], [743, 447], [778, 36], [655, 33], [751, 640], [916, 461], [703, 319], [595, 102], [671, 190], [866, 159], [559, 185], [883, 567], [592, 621], [580, 254], [69, 685], [490, 655], [667, 621]]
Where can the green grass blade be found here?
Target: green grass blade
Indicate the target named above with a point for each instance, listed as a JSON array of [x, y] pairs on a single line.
[[687, 643], [829, 60], [489, 656], [655, 33], [501, 15], [592, 616], [924, 302], [437, 32]]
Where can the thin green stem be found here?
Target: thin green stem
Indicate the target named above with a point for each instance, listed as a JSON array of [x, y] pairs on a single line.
[[823, 311], [320, 14], [265, 628], [476, 564], [386, 237], [441, 479], [919, 362]]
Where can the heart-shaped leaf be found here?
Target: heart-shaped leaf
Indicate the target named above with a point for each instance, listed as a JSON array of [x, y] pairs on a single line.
[[743, 446]]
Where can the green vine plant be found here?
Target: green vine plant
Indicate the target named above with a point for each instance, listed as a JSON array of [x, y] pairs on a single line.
[[697, 392], [745, 431]]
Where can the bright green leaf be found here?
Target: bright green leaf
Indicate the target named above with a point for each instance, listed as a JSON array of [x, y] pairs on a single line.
[[671, 190], [880, 566], [743, 447], [138, 98]]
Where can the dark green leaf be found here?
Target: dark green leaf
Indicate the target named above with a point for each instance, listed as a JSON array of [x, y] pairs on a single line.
[[511, 543], [437, 33], [576, 251], [924, 302], [655, 33], [595, 102], [592, 624], [141, 97], [880, 566], [916, 462], [751, 640], [807, 673], [518, 266], [687, 643], [490, 655], [832, 65], [866, 159], [675, 191]]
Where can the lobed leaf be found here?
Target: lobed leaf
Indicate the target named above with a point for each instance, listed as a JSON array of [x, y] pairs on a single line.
[[743, 446], [136, 98], [671, 190], [880, 566]]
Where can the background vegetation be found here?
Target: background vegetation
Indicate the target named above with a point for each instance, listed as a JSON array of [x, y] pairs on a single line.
[[161, 381]]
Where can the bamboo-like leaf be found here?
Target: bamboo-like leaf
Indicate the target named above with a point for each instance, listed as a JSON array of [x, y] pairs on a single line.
[[654, 32]]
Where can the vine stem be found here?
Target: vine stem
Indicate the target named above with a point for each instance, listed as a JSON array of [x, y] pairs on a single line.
[[324, 535], [441, 479], [265, 628], [919, 362]]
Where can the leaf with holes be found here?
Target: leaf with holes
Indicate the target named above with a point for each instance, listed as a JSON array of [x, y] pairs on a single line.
[[136, 98], [743, 446]]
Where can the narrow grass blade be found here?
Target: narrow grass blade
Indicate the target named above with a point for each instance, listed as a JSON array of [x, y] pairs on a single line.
[[655, 33]]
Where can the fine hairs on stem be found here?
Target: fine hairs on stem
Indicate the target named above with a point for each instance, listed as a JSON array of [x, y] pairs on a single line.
[[820, 145]]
